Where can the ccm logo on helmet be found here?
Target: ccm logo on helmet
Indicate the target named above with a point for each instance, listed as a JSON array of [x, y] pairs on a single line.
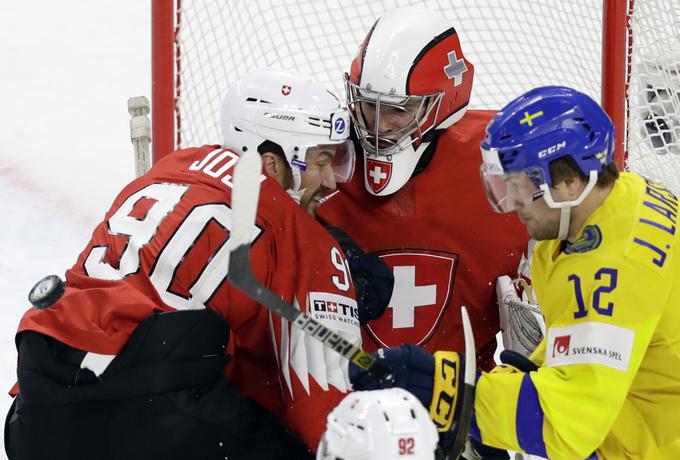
[[552, 149]]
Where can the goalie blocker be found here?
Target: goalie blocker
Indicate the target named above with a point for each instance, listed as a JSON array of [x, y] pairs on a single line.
[[164, 396]]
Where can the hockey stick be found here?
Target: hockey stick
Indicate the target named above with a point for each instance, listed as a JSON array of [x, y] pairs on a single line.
[[245, 195], [468, 403], [140, 133]]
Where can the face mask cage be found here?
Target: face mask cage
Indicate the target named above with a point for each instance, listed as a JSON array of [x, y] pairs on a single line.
[[403, 118]]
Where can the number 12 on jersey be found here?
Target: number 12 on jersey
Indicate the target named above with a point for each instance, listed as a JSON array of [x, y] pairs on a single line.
[[608, 277]]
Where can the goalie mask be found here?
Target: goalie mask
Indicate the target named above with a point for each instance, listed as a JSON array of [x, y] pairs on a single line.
[[408, 81], [293, 111], [379, 425]]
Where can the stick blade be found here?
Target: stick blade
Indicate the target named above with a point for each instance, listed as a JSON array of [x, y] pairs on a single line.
[[245, 193], [470, 355], [465, 416]]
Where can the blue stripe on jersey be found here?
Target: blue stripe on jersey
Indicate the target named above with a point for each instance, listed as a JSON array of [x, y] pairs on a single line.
[[529, 420]]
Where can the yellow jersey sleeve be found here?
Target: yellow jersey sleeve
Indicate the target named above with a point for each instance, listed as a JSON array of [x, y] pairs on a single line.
[[609, 300]]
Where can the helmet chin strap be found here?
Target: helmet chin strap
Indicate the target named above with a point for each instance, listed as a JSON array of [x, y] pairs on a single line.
[[565, 206], [565, 217], [296, 191]]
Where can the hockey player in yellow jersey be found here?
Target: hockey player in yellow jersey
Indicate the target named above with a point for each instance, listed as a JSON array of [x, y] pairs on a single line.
[[605, 381]]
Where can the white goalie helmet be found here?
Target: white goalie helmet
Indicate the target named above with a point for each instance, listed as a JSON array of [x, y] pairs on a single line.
[[408, 81], [291, 110], [379, 425]]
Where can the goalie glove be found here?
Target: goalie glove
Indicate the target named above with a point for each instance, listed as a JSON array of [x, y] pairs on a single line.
[[522, 323]]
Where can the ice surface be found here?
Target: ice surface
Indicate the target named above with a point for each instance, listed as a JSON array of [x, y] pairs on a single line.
[[67, 70]]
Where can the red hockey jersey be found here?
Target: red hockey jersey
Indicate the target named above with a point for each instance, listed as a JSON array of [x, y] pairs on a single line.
[[443, 242], [155, 250]]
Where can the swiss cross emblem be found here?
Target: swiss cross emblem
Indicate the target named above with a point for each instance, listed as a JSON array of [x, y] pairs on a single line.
[[285, 90], [455, 68], [377, 174], [423, 287]]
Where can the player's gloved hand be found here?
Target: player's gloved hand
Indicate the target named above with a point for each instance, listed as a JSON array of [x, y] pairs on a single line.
[[436, 380], [518, 360], [372, 278], [413, 371]]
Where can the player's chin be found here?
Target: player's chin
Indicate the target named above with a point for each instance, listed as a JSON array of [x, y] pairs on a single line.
[[311, 204], [541, 232], [313, 207]]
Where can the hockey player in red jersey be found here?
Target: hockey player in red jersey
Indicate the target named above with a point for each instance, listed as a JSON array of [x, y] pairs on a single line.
[[129, 362], [415, 200]]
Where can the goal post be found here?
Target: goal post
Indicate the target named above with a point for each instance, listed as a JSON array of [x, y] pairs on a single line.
[[163, 77], [623, 53], [615, 19]]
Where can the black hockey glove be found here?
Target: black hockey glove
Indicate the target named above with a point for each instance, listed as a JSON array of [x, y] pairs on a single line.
[[372, 278], [436, 380], [518, 360]]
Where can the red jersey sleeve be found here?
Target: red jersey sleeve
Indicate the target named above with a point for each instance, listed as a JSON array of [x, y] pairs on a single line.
[[315, 378]]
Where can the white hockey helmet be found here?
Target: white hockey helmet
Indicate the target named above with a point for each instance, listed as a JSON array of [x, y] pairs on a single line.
[[291, 110], [379, 425], [410, 69]]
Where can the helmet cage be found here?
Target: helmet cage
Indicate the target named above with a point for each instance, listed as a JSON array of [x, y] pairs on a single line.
[[417, 123]]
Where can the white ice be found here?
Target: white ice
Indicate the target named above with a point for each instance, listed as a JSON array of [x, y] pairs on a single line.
[[67, 69]]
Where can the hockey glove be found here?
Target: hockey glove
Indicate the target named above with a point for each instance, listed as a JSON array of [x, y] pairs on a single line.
[[372, 278], [518, 361], [436, 380]]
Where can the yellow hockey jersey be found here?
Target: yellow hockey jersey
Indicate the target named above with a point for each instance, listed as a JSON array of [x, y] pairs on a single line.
[[608, 385]]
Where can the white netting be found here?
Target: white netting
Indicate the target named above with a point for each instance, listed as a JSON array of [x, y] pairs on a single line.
[[514, 49], [654, 92], [515, 46]]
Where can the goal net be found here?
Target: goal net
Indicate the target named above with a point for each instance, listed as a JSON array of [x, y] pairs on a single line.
[[623, 53]]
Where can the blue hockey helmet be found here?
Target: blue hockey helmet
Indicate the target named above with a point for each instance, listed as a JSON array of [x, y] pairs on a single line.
[[537, 128]]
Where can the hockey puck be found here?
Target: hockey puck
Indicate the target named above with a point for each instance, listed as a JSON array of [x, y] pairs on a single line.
[[46, 292]]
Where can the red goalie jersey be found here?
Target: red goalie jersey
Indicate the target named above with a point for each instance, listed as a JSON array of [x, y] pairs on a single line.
[[155, 251], [443, 242]]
